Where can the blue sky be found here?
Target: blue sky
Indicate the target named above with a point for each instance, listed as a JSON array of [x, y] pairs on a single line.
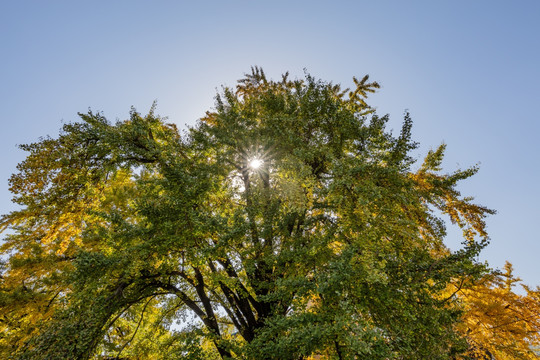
[[468, 71]]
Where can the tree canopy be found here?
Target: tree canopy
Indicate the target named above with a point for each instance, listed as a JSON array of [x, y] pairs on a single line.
[[288, 223]]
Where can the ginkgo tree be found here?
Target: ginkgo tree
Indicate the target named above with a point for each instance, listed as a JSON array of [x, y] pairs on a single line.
[[498, 322], [288, 223]]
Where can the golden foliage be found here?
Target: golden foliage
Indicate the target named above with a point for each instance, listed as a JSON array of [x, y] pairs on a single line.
[[499, 322]]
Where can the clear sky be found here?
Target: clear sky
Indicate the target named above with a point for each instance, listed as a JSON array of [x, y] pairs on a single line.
[[468, 71]]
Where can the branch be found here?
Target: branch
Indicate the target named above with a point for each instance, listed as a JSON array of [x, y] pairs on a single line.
[[186, 299], [229, 269], [136, 329]]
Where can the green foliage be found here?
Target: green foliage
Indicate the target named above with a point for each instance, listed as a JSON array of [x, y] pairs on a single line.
[[135, 241]]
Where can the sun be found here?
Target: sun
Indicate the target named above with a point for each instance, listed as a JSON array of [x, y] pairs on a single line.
[[255, 163]]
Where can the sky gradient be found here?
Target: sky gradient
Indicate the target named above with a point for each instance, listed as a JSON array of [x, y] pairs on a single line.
[[468, 72]]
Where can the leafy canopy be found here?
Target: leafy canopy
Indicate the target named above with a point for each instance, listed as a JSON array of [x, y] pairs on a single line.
[[134, 240]]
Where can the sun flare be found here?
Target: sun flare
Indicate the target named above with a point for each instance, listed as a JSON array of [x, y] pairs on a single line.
[[255, 163]]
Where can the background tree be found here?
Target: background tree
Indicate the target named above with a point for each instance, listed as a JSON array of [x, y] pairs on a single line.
[[498, 322], [287, 223]]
